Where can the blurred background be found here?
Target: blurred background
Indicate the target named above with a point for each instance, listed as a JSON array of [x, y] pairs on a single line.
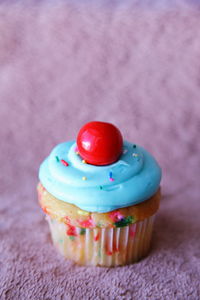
[[63, 64], [133, 63]]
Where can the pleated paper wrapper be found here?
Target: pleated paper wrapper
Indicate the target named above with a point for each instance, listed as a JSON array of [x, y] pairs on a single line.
[[103, 246]]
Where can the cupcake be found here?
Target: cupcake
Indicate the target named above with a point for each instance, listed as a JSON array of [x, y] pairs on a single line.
[[100, 195]]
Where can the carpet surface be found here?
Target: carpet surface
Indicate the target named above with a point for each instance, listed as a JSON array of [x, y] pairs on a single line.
[[135, 64]]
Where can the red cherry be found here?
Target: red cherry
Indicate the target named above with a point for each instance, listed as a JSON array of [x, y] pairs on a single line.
[[99, 143]]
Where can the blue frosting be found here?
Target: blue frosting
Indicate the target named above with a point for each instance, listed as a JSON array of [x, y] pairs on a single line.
[[136, 177]]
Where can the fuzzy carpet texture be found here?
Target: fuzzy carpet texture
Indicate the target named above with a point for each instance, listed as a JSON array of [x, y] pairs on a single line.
[[133, 63]]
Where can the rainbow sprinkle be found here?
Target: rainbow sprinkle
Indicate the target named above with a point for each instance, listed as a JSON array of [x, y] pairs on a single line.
[[57, 159], [84, 178], [110, 176], [82, 232], [124, 222], [84, 162], [71, 231], [64, 163], [89, 223], [116, 216], [135, 155], [96, 237]]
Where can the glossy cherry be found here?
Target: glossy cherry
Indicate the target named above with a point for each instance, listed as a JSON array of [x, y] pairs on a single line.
[[99, 143]]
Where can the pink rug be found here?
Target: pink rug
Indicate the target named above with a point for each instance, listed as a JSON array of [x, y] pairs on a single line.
[[129, 63]]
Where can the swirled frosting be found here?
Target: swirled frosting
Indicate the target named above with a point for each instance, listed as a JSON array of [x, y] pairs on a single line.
[[134, 178]]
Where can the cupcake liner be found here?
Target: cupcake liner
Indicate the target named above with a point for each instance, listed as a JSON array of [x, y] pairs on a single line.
[[102, 246]]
